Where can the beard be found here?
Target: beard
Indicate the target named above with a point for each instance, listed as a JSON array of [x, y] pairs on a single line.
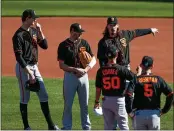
[[113, 33]]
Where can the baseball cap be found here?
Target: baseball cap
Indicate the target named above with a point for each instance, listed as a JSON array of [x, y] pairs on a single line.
[[29, 13], [147, 61], [77, 28], [112, 20], [111, 51]]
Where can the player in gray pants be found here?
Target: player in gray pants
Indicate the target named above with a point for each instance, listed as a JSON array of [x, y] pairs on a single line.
[[110, 80], [71, 85], [144, 107], [26, 41], [75, 77]]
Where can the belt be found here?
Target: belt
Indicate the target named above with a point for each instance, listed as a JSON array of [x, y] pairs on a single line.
[[70, 72], [148, 109], [32, 63]]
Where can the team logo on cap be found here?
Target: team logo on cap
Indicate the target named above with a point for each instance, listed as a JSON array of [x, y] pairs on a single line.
[[34, 12], [80, 26], [112, 19]]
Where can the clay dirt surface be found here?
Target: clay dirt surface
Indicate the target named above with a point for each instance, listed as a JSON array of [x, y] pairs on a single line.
[[56, 29]]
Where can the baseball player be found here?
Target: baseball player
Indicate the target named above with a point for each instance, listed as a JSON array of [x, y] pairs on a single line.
[[25, 44], [75, 76], [144, 108], [110, 80], [121, 39]]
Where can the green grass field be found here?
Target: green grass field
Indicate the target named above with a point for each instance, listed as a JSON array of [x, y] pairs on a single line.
[[10, 115], [90, 8]]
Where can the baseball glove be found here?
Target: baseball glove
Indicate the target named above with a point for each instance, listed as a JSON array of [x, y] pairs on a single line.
[[85, 58], [35, 87]]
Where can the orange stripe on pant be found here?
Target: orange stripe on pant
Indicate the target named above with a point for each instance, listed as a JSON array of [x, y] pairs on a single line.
[[20, 77]]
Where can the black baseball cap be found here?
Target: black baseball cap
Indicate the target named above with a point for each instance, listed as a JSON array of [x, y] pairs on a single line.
[[147, 61], [76, 27], [29, 13], [112, 20], [111, 51]]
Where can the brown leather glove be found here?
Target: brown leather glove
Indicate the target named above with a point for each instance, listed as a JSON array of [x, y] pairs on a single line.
[[85, 58]]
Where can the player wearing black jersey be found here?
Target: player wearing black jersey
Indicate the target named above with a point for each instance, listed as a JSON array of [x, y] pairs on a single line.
[[26, 41], [147, 89], [112, 35], [76, 76], [110, 80]]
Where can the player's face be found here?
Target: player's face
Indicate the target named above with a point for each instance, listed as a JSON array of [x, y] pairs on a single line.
[[31, 21], [76, 35], [112, 29]]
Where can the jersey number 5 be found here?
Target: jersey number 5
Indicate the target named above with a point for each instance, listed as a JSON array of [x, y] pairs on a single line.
[[148, 91], [111, 82]]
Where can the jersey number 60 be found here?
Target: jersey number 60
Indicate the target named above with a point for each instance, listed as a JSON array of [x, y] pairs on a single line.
[[111, 82]]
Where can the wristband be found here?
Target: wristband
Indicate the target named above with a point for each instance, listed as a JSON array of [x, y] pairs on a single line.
[[96, 102]]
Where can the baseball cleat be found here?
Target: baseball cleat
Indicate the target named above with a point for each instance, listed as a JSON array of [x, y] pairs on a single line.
[[28, 128], [55, 127]]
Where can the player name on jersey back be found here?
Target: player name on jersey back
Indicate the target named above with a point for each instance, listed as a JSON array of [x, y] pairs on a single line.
[[109, 72], [148, 79]]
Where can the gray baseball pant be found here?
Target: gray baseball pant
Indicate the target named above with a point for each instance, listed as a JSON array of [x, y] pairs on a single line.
[[23, 77], [114, 109], [126, 86], [147, 120], [71, 85]]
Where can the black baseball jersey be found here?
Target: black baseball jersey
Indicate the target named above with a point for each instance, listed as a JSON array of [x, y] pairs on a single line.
[[25, 46], [68, 52], [111, 79], [124, 36], [147, 90]]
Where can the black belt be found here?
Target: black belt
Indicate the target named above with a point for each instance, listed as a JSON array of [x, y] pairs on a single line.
[[147, 109], [32, 63], [114, 95]]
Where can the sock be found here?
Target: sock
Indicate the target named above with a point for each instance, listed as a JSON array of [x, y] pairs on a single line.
[[24, 114], [46, 112]]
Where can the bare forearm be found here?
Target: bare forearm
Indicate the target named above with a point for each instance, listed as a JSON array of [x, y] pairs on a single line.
[[40, 32], [97, 95], [168, 103], [67, 68]]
